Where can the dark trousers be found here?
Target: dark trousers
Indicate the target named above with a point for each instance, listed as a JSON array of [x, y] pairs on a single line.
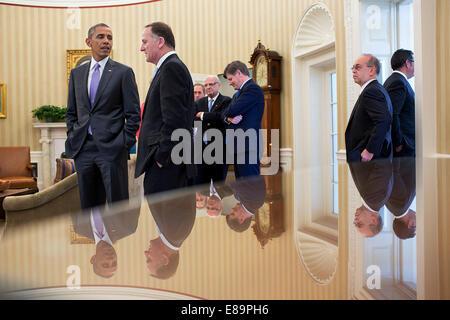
[[167, 178], [245, 169], [100, 180]]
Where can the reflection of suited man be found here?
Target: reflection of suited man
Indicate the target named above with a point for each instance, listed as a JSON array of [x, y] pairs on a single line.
[[174, 218], [209, 110], [169, 106], [402, 196], [118, 224], [374, 183], [250, 194], [368, 133], [249, 103], [102, 120], [105, 228], [403, 103]]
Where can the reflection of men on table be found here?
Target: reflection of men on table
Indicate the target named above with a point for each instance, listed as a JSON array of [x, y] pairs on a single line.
[[174, 218], [102, 120], [106, 227], [374, 183], [403, 103], [247, 102], [368, 133], [402, 196], [209, 110], [169, 106], [214, 205], [250, 194]]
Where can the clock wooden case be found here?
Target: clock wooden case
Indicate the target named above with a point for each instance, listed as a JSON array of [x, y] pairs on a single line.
[[269, 220], [267, 74]]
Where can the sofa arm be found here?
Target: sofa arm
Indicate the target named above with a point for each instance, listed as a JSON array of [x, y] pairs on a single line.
[[19, 203]]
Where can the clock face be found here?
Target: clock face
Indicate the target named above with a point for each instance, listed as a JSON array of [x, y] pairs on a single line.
[[261, 71]]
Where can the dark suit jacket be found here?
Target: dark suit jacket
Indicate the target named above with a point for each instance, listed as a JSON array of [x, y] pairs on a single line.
[[213, 118], [373, 180], [369, 126], [403, 106], [169, 106], [120, 222], [404, 188], [174, 216], [250, 104], [116, 100], [251, 192]]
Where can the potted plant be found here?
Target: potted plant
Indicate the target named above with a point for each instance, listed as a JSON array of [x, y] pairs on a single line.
[[50, 113]]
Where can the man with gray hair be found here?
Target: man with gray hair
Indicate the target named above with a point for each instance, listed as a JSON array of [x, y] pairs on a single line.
[[209, 110], [368, 133], [169, 106]]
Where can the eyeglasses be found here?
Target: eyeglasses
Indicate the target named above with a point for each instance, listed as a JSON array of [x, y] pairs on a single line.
[[359, 67], [210, 84]]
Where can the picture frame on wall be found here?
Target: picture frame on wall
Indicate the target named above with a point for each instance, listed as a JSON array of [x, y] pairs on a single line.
[[2, 101], [76, 58]]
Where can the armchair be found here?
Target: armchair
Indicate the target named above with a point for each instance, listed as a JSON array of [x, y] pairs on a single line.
[[15, 167]]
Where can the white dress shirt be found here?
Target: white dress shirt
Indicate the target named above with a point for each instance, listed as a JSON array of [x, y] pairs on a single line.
[[97, 232], [102, 64]]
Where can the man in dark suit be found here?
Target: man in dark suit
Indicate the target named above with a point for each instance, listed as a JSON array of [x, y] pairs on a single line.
[[248, 103], [174, 218], [102, 119], [169, 106], [374, 182], [403, 103], [106, 227], [209, 110], [250, 194], [368, 133], [402, 196]]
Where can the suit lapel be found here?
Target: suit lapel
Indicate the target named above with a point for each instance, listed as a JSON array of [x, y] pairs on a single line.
[[216, 103], [106, 76], [85, 74], [154, 81]]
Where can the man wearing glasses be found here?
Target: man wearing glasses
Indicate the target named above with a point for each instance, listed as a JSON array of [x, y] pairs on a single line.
[[403, 103], [209, 111], [368, 133]]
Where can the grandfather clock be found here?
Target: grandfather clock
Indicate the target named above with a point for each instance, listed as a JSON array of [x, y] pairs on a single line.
[[269, 220]]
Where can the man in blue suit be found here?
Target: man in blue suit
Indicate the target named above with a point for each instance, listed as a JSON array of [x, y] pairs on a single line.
[[247, 102]]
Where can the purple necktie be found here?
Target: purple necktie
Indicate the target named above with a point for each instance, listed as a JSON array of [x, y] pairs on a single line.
[[94, 82], [98, 222], [94, 86]]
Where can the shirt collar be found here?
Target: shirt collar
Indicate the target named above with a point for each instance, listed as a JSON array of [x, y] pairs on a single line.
[[245, 83], [214, 97], [213, 191], [163, 58], [165, 241], [367, 206], [366, 84], [396, 71], [102, 63]]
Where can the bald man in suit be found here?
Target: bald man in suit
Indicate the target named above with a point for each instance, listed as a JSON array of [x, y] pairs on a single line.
[[368, 133]]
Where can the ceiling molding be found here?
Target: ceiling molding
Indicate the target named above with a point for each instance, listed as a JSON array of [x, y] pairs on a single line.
[[74, 4]]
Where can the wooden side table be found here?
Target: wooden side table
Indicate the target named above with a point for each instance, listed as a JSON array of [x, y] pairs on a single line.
[[13, 192]]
